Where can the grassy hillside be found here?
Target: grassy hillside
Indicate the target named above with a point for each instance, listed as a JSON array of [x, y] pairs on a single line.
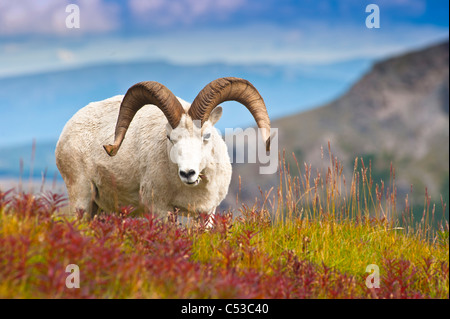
[[307, 238]]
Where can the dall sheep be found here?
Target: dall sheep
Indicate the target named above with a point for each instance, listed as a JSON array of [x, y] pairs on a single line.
[[172, 159]]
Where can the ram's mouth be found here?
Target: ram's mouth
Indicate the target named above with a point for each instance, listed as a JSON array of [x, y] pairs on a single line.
[[198, 180]]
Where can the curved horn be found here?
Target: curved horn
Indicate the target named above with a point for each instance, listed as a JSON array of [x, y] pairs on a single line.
[[138, 95], [232, 89]]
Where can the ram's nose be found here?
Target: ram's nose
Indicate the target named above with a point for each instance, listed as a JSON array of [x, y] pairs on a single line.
[[187, 173], [189, 176]]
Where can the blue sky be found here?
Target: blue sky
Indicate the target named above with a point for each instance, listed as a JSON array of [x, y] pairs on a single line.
[[34, 37]]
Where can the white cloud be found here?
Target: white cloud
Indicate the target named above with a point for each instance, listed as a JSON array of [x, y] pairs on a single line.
[[47, 17], [312, 43], [308, 44], [181, 12], [65, 55]]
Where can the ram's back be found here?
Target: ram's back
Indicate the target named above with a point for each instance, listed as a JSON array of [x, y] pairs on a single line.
[[82, 161]]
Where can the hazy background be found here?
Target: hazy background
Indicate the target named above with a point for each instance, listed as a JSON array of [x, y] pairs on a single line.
[[299, 54]]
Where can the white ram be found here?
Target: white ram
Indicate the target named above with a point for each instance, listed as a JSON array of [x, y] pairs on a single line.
[[173, 157]]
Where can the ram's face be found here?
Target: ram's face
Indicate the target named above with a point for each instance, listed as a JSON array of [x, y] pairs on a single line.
[[190, 146]]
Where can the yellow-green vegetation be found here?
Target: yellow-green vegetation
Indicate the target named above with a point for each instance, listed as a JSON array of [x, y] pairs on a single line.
[[345, 246]]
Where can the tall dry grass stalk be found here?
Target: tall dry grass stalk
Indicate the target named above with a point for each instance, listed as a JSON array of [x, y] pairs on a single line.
[[323, 193]]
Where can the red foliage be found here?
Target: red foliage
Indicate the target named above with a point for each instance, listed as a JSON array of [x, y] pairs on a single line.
[[123, 256]]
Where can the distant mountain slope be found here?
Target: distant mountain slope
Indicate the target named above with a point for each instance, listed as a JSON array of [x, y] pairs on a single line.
[[398, 111]]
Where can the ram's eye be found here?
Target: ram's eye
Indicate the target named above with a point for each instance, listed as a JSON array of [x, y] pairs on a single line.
[[206, 136]]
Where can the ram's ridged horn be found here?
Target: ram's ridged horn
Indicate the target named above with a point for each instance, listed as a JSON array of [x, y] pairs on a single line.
[[138, 95], [232, 89]]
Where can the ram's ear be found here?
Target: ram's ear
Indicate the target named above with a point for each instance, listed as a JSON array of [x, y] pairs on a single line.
[[215, 115], [168, 130]]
